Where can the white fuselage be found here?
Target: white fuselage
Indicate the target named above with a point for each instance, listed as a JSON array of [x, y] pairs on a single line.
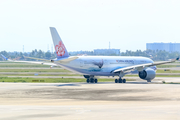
[[102, 65]]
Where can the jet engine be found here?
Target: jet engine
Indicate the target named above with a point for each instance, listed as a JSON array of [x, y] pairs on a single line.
[[147, 74]]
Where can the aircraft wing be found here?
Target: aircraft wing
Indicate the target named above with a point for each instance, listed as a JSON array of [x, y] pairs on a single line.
[[64, 60], [36, 58], [142, 66], [34, 62]]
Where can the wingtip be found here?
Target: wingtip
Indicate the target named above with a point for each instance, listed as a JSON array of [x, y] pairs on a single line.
[[177, 58], [4, 57], [52, 27]]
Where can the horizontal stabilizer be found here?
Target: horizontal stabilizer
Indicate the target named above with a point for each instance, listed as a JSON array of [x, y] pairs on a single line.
[[67, 60]]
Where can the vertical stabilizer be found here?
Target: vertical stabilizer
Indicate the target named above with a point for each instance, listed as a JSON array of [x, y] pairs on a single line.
[[60, 49]]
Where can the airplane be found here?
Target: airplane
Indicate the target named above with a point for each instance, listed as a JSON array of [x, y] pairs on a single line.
[[91, 66]]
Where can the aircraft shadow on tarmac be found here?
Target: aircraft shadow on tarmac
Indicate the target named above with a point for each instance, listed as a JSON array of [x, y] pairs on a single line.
[[79, 84], [67, 85], [59, 85], [117, 83]]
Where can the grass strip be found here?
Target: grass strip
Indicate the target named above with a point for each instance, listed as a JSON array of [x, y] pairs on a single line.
[[52, 80], [156, 76], [170, 71], [171, 83], [167, 66]]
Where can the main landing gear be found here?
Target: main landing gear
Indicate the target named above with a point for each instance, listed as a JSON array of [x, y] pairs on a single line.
[[148, 80], [91, 79], [120, 80]]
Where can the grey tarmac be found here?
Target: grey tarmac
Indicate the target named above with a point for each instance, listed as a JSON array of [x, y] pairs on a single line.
[[137, 100]]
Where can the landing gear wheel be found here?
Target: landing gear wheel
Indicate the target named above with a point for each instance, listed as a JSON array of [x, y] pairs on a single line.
[[95, 80], [92, 80], [120, 81], [87, 80], [116, 81], [124, 81]]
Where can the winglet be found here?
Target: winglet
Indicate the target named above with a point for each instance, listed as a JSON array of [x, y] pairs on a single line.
[[4, 57]]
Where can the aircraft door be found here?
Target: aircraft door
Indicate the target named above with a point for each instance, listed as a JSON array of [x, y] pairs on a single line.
[[81, 63], [106, 64]]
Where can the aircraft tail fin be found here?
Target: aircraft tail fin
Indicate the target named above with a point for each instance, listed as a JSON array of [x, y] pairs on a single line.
[[61, 51]]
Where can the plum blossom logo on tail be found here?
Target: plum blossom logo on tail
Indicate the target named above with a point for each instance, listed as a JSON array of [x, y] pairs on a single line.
[[60, 49]]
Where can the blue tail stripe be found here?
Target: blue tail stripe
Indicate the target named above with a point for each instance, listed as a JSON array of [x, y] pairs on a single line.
[[4, 57]]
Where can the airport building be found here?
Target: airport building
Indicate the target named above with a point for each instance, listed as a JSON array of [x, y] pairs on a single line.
[[106, 51], [97, 52], [169, 47], [81, 53]]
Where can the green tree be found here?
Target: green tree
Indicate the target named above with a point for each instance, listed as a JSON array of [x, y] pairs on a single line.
[[48, 55]]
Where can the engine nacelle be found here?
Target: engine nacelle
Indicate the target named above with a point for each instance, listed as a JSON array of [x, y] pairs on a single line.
[[147, 74]]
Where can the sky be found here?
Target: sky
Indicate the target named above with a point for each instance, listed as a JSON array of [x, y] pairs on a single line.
[[88, 24]]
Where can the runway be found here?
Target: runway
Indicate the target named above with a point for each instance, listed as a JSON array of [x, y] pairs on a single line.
[[76, 101]]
